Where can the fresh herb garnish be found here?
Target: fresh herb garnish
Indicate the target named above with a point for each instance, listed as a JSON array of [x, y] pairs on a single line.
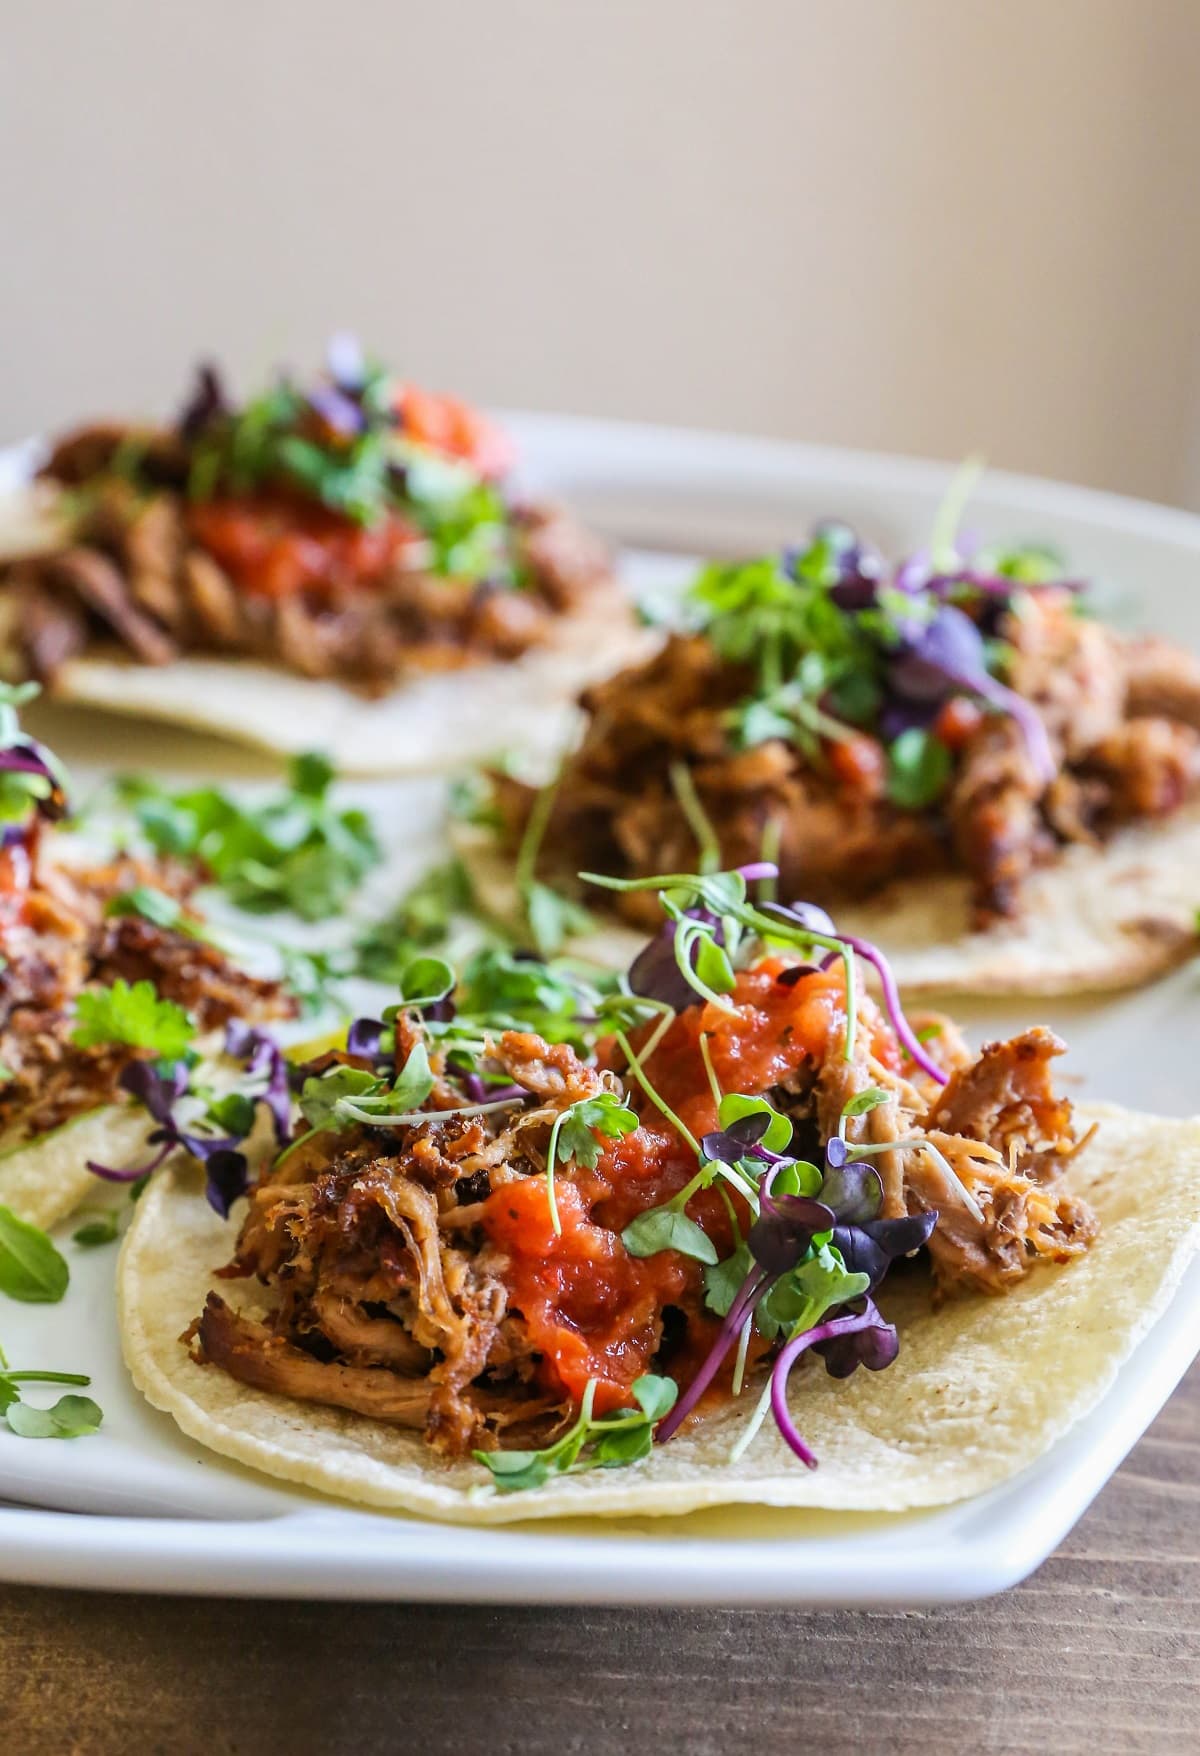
[[919, 768], [153, 905], [295, 850], [71, 1417], [132, 1014], [623, 1437], [31, 1268], [573, 1137], [33, 782], [94, 1233], [424, 918]]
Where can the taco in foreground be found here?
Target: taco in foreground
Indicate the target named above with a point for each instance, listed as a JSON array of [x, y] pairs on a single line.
[[1000, 790], [728, 1231], [338, 566], [105, 976]]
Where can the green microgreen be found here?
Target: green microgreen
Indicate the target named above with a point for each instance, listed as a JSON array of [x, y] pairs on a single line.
[[618, 1439], [573, 1137]]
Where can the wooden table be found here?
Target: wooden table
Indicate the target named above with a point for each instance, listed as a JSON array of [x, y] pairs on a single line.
[[1098, 1652]]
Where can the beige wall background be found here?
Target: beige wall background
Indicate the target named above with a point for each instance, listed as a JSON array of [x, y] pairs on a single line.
[[931, 226]]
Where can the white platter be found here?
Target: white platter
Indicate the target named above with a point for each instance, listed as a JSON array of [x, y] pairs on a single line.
[[139, 1507]]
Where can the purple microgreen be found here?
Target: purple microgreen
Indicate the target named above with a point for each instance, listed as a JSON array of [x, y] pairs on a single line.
[[264, 1059], [207, 402], [371, 1040], [949, 653], [870, 1246], [853, 1190], [784, 1230], [345, 362], [833, 1329], [874, 1347], [891, 1001], [655, 973], [340, 413]]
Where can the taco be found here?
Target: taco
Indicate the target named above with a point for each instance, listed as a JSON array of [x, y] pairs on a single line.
[[537, 1248], [954, 754], [340, 566], [114, 1006]]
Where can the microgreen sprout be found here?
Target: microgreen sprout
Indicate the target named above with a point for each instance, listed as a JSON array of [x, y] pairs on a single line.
[[611, 1441]]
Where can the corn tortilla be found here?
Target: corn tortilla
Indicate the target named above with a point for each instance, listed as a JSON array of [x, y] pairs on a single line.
[[1096, 920], [980, 1389]]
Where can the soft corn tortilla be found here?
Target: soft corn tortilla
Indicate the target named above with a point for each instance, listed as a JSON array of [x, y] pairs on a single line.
[[430, 724], [45, 1179], [980, 1389], [1096, 920]]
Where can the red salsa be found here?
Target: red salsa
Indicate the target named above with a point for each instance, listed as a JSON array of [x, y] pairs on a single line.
[[592, 1309]]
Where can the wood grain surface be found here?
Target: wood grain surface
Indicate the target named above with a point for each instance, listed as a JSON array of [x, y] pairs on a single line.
[[1098, 1652]]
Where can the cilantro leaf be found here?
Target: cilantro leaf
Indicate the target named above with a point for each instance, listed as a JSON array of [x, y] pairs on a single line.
[[292, 851], [132, 1014], [604, 1114]]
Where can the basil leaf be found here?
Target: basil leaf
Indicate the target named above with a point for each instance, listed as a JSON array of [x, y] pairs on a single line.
[[31, 1269]]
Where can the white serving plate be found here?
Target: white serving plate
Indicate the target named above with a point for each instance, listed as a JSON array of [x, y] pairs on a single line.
[[140, 1507]]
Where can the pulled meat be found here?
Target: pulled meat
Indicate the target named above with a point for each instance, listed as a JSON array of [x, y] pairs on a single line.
[[56, 940], [391, 1300], [271, 577], [414, 1275], [1121, 718]]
